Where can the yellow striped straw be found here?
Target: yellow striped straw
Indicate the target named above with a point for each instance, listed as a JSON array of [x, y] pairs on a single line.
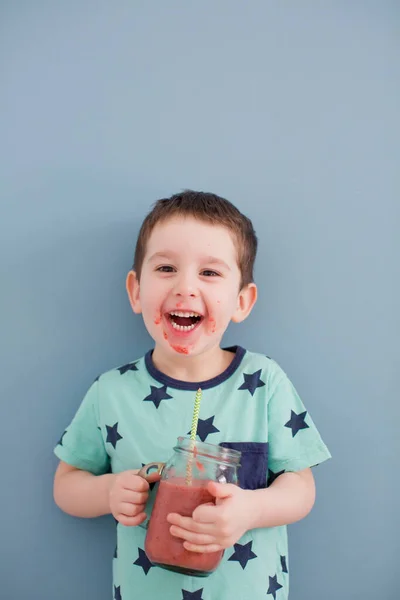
[[196, 412], [193, 434]]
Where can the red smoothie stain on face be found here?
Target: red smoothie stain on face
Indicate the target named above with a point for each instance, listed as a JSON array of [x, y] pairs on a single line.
[[179, 305], [180, 349], [212, 325], [157, 319], [165, 334]]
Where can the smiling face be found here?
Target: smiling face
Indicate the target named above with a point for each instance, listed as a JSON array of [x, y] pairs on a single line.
[[189, 286]]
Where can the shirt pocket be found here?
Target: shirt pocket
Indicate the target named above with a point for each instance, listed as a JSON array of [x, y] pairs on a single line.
[[253, 470]]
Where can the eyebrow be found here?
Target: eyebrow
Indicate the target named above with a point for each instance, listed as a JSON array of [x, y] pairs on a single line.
[[211, 260], [160, 255]]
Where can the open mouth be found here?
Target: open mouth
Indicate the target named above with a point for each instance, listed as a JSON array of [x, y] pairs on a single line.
[[184, 321]]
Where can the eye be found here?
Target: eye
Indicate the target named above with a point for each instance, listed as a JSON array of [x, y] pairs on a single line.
[[209, 273], [165, 269]]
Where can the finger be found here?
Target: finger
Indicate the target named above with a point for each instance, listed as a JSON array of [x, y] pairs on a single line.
[[135, 483], [188, 523], [130, 510], [131, 521], [221, 490], [190, 536], [202, 549], [206, 513], [134, 497], [153, 477]]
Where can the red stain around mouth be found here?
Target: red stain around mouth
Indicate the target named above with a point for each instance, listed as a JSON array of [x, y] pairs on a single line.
[[180, 349], [157, 319], [165, 334], [212, 325], [179, 305]]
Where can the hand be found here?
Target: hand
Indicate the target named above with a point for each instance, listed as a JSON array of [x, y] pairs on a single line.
[[213, 527], [127, 497]]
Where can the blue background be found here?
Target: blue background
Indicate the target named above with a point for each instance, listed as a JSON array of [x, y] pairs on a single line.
[[290, 110]]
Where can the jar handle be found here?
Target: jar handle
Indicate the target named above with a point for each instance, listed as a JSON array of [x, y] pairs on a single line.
[[150, 470]]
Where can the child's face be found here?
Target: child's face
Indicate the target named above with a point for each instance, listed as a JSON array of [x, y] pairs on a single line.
[[189, 286]]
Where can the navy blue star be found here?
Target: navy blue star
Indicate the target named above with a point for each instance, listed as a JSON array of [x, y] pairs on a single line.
[[252, 382], [284, 565], [243, 553], [192, 595], [272, 476], [143, 561], [205, 427], [128, 367], [60, 442], [157, 394], [112, 434], [116, 552], [274, 586], [117, 593], [297, 422]]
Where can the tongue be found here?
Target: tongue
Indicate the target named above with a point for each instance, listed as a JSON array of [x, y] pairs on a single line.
[[184, 321]]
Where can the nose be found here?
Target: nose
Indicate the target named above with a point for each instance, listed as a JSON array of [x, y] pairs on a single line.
[[185, 286]]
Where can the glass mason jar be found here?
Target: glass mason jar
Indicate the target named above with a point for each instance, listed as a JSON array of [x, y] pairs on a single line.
[[183, 487]]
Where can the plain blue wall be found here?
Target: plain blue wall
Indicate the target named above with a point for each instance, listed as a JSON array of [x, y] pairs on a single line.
[[289, 109]]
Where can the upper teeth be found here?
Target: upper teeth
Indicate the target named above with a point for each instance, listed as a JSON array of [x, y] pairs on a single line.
[[185, 314]]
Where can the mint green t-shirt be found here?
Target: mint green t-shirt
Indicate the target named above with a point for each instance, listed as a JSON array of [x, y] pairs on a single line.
[[134, 414]]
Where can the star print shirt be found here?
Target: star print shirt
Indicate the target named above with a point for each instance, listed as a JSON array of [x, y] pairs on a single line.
[[133, 415]]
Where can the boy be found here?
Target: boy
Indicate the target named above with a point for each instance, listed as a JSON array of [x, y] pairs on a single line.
[[192, 275]]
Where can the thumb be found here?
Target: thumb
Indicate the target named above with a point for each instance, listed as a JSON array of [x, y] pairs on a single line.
[[221, 490]]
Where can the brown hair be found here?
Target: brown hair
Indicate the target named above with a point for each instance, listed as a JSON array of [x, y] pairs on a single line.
[[209, 208]]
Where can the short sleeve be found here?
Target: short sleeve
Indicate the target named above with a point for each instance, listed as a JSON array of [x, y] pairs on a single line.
[[294, 441], [82, 445]]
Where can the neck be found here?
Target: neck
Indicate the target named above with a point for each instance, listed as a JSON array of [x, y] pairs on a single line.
[[193, 368]]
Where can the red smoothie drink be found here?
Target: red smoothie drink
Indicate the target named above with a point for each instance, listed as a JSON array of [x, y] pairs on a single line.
[[174, 495]]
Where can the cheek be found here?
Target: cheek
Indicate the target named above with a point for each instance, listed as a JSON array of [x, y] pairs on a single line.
[[220, 317], [212, 325]]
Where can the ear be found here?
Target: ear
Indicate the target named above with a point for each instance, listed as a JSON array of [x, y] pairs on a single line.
[[246, 300], [133, 289]]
